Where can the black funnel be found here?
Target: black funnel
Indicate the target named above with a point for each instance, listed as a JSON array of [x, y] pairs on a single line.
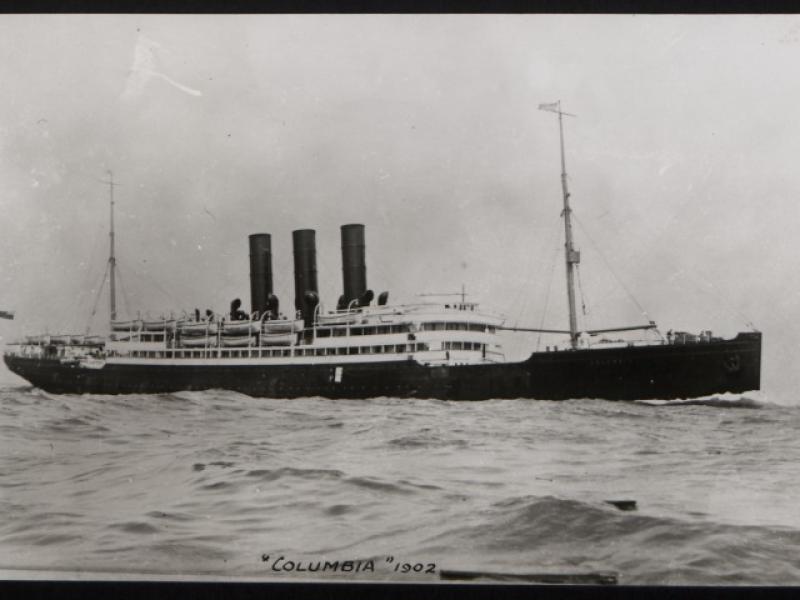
[[260, 271], [305, 266], [354, 266]]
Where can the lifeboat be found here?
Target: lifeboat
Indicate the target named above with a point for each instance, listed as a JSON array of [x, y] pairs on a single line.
[[93, 340], [283, 326], [133, 325], [76, 340], [239, 328], [160, 325], [238, 341], [344, 318], [60, 339], [198, 328], [198, 342], [277, 339]]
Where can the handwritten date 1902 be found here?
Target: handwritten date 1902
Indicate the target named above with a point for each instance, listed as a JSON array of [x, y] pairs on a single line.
[[404, 567]]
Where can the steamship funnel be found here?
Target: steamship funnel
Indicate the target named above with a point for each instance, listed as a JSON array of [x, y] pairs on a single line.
[[260, 271], [305, 267], [354, 266]]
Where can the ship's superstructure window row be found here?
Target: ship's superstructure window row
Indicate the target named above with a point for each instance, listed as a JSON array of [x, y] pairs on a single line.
[[456, 326], [341, 331], [302, 351]]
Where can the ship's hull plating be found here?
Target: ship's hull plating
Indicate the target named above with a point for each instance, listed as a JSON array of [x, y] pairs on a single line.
[[636, 372]]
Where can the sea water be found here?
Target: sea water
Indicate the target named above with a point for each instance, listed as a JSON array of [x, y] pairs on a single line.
[[220, 484]]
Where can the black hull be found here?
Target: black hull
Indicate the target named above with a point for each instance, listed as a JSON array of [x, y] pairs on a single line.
[[637, 372]]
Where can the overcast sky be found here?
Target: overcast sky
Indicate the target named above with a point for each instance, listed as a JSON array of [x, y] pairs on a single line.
[[682, 163]]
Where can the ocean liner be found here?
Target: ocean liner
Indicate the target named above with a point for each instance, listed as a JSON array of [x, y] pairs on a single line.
[[369, 347]]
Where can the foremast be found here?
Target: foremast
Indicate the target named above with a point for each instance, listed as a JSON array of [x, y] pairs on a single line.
[[571, 256], [112, 261]]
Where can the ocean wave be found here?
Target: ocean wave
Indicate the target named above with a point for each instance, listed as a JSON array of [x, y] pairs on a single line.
[[312, 474], [575, 533], [378, 485], [135, 527], [716, 401], [427, 439]]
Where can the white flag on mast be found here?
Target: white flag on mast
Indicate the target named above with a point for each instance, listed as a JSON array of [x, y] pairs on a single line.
[[552, 106]]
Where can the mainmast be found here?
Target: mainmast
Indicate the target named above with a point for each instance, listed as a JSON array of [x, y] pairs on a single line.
[[572, 257]]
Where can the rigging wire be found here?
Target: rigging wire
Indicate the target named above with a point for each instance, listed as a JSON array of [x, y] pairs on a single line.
[[89, 274], [549, 285], [721, 299], [526, 297], [697, 281], [521, 296], [583, 297], [124, 293], [155, 284], [613, 273], [97, 299]]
